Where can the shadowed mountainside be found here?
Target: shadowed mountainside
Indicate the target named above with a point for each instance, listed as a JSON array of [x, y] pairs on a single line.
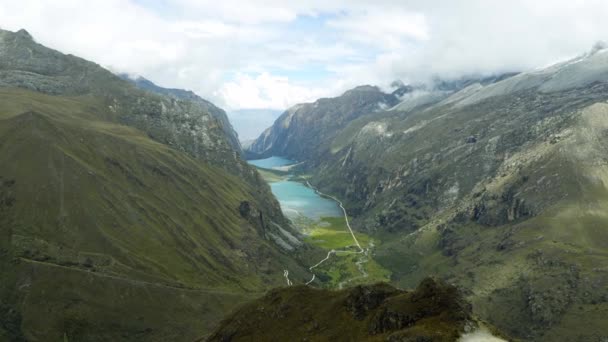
[[433, 312]]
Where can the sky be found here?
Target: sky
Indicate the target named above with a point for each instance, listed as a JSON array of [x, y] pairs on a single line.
[[258, 57]]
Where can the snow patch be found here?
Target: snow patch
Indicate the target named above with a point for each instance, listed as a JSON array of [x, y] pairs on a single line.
[[376, 128], [480, 335], [462, 94], [382, 106], [577, 72], [453, 190], [416, 127], [419, 98]]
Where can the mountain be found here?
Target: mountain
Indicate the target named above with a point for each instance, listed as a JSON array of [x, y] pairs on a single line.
[[180, 94], [316, 123], [434, 311], [498, 187], [124, 214]]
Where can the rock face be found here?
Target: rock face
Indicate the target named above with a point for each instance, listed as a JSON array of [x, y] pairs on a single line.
[[174, 117], [472, 179], [120, 209], [317, 123], [434, 311], [180, 94], [177, 118]]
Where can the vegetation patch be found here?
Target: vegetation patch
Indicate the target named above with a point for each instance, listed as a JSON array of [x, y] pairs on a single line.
[[347, 266]]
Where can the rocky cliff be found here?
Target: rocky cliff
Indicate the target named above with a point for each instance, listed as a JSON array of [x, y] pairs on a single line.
[[305, 130], [187, 95], [434, 311]]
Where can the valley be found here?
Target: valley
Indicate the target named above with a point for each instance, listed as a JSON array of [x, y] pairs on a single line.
[[493, 184], [323, 222], [119, 202], [423, 171]]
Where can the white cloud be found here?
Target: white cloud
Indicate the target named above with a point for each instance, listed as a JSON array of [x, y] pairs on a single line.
[[273, 46], [266, 91], [385, 29]]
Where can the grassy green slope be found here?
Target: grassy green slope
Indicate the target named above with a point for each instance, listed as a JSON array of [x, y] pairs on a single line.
[[111, 235]]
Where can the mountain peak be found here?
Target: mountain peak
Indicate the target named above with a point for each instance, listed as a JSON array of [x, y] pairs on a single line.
[[366, 87], [598, 46], [23, 33]]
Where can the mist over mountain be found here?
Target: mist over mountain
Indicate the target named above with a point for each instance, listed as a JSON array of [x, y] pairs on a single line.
[[251, 122], [402, 171]]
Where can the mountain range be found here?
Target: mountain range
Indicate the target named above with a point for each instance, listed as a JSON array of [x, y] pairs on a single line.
[[496, 184], [128, 211]]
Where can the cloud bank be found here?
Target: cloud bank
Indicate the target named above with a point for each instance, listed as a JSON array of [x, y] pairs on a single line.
[[244, 54]]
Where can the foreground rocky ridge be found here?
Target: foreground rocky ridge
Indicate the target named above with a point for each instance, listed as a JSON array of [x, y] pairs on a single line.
[[499, 187], [433, 312]]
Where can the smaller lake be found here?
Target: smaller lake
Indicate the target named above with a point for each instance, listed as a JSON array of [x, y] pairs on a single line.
[[296, 198], [271, 162]]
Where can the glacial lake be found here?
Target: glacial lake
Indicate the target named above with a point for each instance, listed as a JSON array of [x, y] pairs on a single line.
[[296, 198], [270, 163]]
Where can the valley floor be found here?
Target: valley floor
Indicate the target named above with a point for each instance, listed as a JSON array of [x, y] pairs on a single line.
[[349, 260]]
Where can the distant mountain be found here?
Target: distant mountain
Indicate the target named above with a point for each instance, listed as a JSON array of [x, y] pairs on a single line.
[[124, 214], [304, 130], [497, 186]]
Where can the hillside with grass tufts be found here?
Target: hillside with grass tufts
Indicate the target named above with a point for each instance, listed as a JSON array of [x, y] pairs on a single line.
[[124, 214]]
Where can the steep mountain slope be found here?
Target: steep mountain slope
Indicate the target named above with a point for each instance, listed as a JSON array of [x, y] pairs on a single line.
[[497, 187], [181, 94], [317, 123], [179, 122], [433, 312], [118, 218]]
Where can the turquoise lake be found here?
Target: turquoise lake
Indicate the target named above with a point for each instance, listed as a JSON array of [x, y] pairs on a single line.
[[271, 162], [296, 198]]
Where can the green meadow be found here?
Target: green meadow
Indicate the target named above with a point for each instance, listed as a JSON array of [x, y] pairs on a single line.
[[331, 233]]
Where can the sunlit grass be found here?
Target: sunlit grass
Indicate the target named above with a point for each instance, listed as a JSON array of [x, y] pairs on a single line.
[[331, 233]]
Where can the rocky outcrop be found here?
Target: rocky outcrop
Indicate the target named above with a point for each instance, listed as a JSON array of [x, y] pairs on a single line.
[[434, 311], [187, 95], [317, 123]]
